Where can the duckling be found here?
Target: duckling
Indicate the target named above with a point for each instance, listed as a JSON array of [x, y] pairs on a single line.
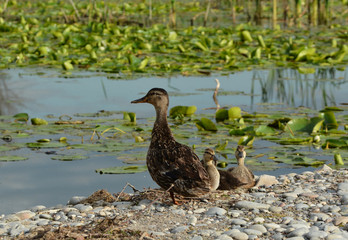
[[171, 164], [209, 162], [239, 176]]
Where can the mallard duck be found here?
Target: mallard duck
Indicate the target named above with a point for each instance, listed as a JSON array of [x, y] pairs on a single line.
[[172, 165], [239, 176], [209, 162]]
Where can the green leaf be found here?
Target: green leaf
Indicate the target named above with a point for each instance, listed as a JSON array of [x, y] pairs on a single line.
[[246, 140], [234, 112], [122, 170], [67, 65], [38, 121], [265, 130], [46, 145], [12, 158], [21, 117], [129, 116], [338, 159], [206, 124], [180, 111], [221, 115], [68, 157], [330, 120], [246, 36]]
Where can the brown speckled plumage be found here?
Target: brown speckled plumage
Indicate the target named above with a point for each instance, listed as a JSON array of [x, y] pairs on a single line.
[[239, 176], [168, 161], [209, 161]]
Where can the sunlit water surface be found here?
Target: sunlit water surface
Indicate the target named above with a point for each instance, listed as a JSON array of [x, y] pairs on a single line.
[[40, 92]]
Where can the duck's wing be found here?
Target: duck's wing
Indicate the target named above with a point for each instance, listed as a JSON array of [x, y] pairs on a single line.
[[228, 181], [180, 166]]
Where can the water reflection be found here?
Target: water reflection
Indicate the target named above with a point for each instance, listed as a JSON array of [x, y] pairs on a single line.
[[45, 91], [8, 97], [295, 89]]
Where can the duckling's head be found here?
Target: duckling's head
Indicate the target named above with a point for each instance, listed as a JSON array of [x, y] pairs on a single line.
[[158, 97], [240, 153], [209, 157]]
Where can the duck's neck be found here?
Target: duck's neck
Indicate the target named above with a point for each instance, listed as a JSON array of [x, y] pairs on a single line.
[[240, 161], [161, 133]]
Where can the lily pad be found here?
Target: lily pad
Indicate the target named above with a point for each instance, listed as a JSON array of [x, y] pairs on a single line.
[[180, 111], [122, 169], [221, 115], [234, 112], [68, 157], [12, 158], [206, 124]]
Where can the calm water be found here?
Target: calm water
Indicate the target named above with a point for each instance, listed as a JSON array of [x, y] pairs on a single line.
[[40, 92]]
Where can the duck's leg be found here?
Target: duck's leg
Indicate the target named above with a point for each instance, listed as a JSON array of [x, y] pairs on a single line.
[[173, 198]]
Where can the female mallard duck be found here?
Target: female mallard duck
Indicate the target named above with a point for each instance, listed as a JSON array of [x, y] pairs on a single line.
[[239, 176], [172, 165], [209, 162]]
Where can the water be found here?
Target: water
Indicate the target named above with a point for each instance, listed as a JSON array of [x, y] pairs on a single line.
[[40, 92]]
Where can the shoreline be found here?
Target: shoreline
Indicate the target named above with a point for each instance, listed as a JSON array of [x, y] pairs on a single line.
[[310, 205]]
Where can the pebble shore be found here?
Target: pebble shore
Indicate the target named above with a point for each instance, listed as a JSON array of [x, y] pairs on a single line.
[[311, 205]]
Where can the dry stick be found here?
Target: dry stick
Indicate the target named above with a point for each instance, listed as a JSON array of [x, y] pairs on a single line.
[[215, 94], [124, 188], [75, 9], [207, 13]]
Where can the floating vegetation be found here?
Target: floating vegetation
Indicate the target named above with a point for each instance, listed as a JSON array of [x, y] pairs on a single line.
[[283, 136]]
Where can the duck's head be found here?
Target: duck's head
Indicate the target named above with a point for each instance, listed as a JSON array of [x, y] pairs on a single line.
[[240, 152], [158, 97], [209, 156]]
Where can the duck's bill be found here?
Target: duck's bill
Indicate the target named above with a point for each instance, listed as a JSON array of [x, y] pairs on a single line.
[[215, 159], [140, 100]]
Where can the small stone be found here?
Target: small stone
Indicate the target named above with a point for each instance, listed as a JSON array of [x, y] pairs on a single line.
[[197, 238], [83, 208], [224, 237], [199, 210], [235, 213], [216, 211], [316, 234], [45, 216], [26, 214], [259, 220], [239, 236], [37, 208], [342, 220], [251, 205], [192, 220], [266, 180], [275, 209], [319, 216], [179, 229], [238, 222], [299, 232], [301, 206], [271, 225], [250, 231], [76, 199], [259, 228]]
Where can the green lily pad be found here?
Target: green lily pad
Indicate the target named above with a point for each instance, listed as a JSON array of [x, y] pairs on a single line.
[[180, 111], [234, 112], [12, 158], [21, 117], [46, 145], [246, 140], [122, 170], [38, 121], [221, 115], [68, 157], [265, 130], [206, 124], [129, 116]]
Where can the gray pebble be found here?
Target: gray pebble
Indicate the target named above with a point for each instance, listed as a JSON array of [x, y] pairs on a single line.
[[251, 231], [216, 211], [251, 205], [299, 232], [238, 222], [179, 229], [239, 236], [76, 199]]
